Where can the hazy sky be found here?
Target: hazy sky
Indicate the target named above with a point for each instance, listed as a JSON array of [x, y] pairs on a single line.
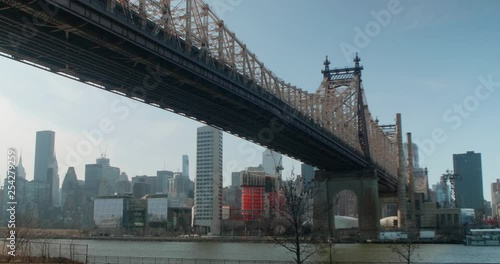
[[436, 62]]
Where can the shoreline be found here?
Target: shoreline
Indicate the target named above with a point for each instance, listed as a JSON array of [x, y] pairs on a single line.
[[236, 240]]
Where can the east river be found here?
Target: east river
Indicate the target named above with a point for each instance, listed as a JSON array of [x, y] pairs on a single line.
[[442, 253]]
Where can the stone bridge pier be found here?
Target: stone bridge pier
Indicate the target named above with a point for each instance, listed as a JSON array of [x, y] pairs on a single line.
[[364, 184]]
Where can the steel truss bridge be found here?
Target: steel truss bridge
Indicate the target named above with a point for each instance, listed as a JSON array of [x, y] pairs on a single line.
[[179, 56]]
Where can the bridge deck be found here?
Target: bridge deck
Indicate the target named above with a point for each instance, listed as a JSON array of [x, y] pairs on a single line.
[[81, 39]]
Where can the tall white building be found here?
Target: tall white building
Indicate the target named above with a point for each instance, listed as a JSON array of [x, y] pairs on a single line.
[[208, 182], [270, 160]]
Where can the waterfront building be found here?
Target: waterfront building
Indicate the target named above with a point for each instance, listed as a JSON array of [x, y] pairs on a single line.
[[208, 182], [153, 214], [109, 212], [157, 213]]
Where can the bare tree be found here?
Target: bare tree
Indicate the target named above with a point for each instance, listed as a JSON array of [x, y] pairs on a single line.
[[406, 248], [405, 251], [292, 227], [23, 234]]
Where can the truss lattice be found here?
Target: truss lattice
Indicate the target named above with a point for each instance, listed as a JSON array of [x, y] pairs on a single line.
[[338, 105]]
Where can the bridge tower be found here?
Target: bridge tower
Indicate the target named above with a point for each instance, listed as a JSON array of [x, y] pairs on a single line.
[[345, 113]]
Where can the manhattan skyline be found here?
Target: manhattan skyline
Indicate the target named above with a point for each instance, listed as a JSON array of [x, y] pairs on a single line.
[[425, 63]]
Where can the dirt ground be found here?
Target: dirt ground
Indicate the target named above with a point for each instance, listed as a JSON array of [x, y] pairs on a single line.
[[44, 233], [28, 260]]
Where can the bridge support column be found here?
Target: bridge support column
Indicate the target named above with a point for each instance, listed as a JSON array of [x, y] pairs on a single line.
[[323, 225], [364, 184]]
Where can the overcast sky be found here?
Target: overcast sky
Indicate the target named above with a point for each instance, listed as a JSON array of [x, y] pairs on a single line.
[[436, 62]]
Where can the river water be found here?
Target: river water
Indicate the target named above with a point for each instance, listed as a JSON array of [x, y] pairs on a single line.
[[441, 253]]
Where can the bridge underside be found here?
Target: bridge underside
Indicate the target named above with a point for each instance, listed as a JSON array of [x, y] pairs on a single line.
[[83, 40]]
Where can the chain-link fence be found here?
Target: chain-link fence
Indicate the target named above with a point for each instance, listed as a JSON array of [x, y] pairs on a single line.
[[152, 260]]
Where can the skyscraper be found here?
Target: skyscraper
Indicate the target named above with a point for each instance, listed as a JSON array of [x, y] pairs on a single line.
[[100, 178], [37, 198], [46, 170], [235, 178], [495, 198], [20, 191], [71, 196], [44, 152], [185, 165], [469, 185], [179, 186], [53, 181], [109, 176], [208, 181], [123, 184], [147, 185], [271, 160], [307, 172], [162, 180], [21, 172]]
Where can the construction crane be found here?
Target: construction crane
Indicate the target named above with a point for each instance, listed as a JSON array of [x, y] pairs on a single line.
[[277, 207], [277, 166], [452, 177]]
